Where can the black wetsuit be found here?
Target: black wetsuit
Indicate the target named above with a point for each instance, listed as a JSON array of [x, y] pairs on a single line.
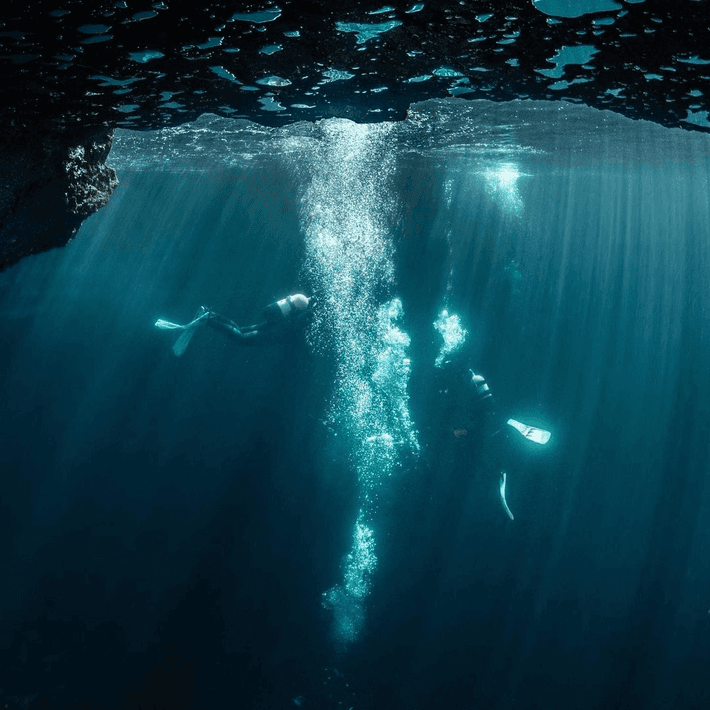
[[476, 425], [276, 327], [472, 409]]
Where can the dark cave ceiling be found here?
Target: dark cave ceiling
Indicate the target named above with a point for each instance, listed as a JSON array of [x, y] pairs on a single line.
[[147, 64]]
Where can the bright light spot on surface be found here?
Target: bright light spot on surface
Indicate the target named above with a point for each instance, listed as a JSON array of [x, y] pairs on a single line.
[[144, 57], [568, 55], [225, 74], [698, 118], [506, 175], [502, 185], [258, 17], [447, 71], [211, 43], [693, 60], [559, 85], [336, 75], [454, 335], [269, 103], [273, 81], [574, 8], [367, 32]]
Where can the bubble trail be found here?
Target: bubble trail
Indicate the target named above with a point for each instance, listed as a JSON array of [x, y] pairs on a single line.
[[345, 215]]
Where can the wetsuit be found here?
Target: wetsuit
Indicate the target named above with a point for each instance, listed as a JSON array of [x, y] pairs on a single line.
[[480, 429], [482, 407], [473, 410], [282, 320]]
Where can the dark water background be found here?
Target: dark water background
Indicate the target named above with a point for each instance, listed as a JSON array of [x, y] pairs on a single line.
[[169, 525]]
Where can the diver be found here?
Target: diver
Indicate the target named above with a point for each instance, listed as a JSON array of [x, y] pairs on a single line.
[[282, 320], [474, 414]]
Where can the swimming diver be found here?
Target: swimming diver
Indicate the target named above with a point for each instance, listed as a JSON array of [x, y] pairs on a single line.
[[282, 320], [474, 410]]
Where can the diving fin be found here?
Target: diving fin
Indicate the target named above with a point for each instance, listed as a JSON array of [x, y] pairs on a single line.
[[183, 341], [502, 495], [539, 436], [189, 330], [167, 325]]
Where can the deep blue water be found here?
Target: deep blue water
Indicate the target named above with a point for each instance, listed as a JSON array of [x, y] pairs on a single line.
[[297, 525]]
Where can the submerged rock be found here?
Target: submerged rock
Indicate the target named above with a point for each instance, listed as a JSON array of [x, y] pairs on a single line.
[[49, 182], [90, 181]]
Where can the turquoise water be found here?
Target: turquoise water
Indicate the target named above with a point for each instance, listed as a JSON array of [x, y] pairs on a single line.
[[300, 525]]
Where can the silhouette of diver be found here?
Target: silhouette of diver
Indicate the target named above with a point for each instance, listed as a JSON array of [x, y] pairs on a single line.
[[475, 417], [282, 320]]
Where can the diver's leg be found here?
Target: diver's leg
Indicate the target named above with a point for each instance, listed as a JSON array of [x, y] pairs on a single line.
[[227, 326], [257, 334], [252, 328]]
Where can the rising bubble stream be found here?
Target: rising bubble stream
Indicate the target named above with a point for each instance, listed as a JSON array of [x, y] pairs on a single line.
[[346, 212]]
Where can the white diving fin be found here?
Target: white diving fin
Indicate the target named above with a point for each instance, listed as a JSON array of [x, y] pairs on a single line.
[[188, 331], [167, 325], [539, 436], [502, 495], [182, 342]]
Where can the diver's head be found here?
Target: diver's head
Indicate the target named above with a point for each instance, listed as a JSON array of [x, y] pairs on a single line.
[[300, 302]]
